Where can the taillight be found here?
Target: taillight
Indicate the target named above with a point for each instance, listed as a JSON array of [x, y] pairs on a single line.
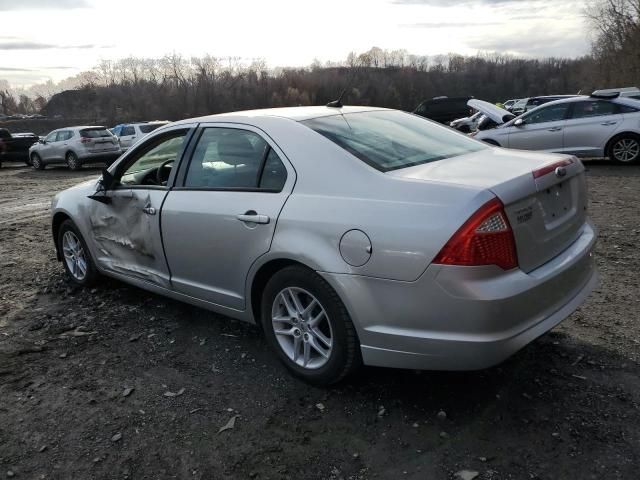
[[85, 140], [485, 239], [541, 172]]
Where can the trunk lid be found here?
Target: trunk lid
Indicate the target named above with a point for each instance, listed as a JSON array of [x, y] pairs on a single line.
[[546, 213]]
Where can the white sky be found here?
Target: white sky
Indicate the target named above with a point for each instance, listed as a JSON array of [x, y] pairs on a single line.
[[42, 39]]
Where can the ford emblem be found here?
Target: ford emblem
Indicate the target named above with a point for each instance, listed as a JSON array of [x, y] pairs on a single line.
[[561, 172]]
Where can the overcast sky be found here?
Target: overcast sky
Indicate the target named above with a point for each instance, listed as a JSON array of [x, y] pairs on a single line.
[[41, 39]]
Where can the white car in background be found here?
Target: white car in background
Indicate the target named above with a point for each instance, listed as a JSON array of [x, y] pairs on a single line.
[[130, 133], [586, 126]]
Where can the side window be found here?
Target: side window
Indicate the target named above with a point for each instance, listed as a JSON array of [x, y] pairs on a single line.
[[160, 152], [128, 130], [65, 135], [551, 113], [274, 174], [626, 109], [116, 131], [593, 108], [422, 109], [226, 158], [52, 137]]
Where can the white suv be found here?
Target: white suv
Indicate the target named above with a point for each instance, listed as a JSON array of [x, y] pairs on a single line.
[[130, 133]]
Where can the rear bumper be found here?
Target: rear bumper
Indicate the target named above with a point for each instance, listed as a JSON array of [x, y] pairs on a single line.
[[465, 318], [88, 157]]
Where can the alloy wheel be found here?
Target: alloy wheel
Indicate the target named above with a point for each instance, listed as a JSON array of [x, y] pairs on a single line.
[[74, 255], [302, 328], [626, 150]]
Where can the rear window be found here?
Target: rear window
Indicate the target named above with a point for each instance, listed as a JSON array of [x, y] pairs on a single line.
[[95, 132], [150, 127], [390, 140]]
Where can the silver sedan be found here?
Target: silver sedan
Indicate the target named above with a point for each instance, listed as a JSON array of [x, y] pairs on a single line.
[[351, 235], [594, 126]]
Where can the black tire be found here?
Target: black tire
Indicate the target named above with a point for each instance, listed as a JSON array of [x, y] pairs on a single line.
[[92, 274], [73, 162], [345, 357], [624, 149], [36, 162]]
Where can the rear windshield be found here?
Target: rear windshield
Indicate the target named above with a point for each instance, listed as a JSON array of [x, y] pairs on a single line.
[[95, 132], [389, 140], [150, 127]]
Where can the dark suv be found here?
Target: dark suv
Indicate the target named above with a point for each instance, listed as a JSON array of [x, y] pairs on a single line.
[[444, 109]]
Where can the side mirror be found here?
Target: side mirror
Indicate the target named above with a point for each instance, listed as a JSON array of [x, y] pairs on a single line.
[[519, 122], [106, 181], [42, 141]]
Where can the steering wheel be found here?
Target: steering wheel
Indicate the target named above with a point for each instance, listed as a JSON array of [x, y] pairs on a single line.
[[159, 175]]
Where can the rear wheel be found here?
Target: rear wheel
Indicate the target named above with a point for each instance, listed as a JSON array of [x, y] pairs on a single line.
[[73, 161], [625, 149], [308, 326], [76, 258], [36, 161]]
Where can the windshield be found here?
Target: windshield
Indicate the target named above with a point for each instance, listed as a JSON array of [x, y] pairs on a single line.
[[389, 140]]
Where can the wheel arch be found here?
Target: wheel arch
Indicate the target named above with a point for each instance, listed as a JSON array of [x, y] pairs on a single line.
[[57, 220], [260, 279]]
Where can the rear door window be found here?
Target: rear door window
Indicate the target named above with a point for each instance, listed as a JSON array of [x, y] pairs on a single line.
[[593, 108], [127, 131], [390, 140]]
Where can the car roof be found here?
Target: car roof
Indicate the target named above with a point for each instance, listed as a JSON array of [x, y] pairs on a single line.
[[293, 113]]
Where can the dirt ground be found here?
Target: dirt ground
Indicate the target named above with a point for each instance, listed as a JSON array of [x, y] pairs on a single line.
[[117, 383]]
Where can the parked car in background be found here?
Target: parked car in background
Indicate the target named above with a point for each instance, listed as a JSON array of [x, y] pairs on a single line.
[[467, 124], [629, 92], [75, 146], [526, 104], [15, 147], [350, 234], [444, 109], [130, 133], [594, 126]]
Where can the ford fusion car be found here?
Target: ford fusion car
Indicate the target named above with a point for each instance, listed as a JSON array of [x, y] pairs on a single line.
[[351, 235], [595, 126]]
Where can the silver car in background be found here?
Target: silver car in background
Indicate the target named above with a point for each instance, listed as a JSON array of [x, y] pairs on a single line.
[[75, 146], [130, 133], [351, 235], [586, 126]]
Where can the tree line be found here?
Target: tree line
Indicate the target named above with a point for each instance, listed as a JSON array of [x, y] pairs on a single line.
[[175, 87]]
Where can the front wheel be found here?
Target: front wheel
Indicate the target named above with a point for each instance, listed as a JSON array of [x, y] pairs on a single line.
[[73, 162], [75, 255], [625, 149], [36, 162], [308, 326]]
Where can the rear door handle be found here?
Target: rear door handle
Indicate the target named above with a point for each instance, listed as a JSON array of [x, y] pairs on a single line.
[[149, 210], [608, 123], [253, 217], [555, 129]]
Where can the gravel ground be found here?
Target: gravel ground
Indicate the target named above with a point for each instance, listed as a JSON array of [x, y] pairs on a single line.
[[118, 383]]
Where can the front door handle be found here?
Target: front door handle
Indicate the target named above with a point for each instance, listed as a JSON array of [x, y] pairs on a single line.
[[253, 217], [607, 124], [149, 210], [555, 129]]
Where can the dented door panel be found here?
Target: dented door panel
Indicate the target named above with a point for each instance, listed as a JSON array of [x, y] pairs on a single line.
[[126, 234]]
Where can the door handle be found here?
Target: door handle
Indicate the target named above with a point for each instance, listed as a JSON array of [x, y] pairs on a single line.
[[149, 210], [253, 217], [608, 123], [555, 129]]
